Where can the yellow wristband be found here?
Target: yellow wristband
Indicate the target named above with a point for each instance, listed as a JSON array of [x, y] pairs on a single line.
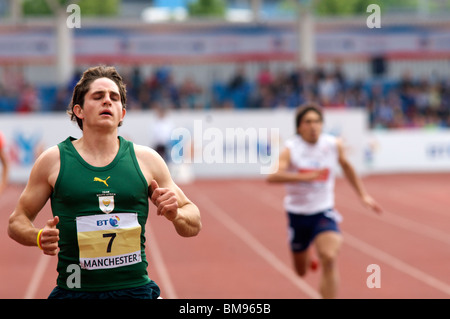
[[39, 239]]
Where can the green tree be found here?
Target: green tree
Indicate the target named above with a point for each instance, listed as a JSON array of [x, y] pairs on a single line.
[[88, 7], [207, 8], [359, 7]]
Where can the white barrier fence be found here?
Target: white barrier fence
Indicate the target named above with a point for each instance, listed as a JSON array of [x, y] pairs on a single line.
[[230, 144], [406, 151]]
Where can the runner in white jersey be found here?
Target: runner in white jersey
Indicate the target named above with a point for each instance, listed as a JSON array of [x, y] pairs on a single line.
[[311, 197], [308, 166]]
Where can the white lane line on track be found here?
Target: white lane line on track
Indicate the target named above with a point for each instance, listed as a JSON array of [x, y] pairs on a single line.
[[167, 287], [37, 275], [254, 244], [372, 251], [396, 263], [408, 224], [387, 217]]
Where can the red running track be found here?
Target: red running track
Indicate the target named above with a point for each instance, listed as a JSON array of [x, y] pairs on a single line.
[[242, 250]]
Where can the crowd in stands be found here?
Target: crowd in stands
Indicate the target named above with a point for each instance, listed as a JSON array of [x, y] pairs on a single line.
[[404, 103]]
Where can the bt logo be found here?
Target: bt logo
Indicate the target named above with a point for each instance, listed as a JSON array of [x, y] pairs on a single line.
[[113, 221]]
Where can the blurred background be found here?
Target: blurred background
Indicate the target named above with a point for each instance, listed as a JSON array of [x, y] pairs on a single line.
[[206, 57], [380, 69]]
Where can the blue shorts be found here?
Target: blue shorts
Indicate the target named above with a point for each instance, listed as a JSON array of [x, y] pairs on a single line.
[[148, 291], [304, 228]]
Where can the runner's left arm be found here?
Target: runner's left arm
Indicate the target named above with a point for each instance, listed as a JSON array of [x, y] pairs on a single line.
[[169, 199], [355, 181]]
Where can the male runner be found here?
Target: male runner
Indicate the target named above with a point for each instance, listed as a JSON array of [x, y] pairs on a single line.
[[308, 166], [99, 186]]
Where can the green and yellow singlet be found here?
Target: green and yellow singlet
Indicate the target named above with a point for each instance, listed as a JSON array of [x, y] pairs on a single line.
[[102, 212]]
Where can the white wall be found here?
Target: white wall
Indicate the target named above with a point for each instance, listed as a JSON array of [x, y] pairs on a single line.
[[408, 151], [224, 142], [219, 149]]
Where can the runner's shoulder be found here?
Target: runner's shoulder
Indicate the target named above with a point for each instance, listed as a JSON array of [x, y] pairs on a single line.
[[48, 159]]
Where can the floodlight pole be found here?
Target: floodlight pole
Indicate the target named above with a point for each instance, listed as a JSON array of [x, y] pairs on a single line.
[[256, 7], [65, 60], [307, 50], [423, 9], [65, 53], [16, 10]]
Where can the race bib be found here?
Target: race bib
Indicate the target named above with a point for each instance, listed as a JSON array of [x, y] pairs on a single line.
[[108, 241]]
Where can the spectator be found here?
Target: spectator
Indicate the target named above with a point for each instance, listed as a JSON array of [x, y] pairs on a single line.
[[190, 94], [328, 88], [29, 101], [390, 103]]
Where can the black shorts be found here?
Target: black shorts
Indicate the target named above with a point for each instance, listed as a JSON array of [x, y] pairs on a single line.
[[304, 228], [148, 291]]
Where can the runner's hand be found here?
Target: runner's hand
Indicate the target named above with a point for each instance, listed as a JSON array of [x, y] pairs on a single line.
[[165, 201], [369, 202], [50, 237]]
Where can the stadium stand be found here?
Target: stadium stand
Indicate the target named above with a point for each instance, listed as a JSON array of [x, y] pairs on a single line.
[[403, 103]]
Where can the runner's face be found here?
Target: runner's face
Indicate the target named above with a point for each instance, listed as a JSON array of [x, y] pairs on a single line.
[[310, 127], [102, 105]]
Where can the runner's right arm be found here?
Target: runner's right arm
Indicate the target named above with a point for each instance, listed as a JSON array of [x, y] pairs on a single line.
[[283, 175], [35, 195]]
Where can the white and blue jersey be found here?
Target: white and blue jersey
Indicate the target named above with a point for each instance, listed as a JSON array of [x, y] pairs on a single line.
[[311, 197]]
